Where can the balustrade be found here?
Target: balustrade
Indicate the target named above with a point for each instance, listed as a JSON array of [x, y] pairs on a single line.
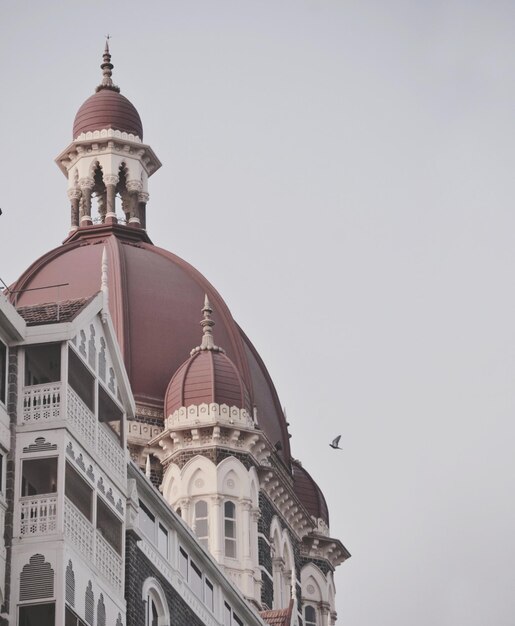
[[42, 403], [109, 562], [38, 515]]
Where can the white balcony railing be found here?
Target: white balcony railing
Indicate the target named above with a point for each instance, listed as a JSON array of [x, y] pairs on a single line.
[[42, 403], [90, 543], [81, 419], [110, 451], [38, 515], [109, 562], [78, 529]]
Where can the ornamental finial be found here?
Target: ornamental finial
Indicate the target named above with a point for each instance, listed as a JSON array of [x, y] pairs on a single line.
[[207, 328], [107, 70]]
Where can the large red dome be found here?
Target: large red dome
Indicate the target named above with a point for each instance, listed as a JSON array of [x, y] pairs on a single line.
[[154, 300]]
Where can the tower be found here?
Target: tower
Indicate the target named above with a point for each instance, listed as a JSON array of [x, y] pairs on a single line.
[[206, 428]]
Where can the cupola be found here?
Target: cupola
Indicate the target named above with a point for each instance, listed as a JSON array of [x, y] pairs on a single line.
[[107, 159], [208, 376]]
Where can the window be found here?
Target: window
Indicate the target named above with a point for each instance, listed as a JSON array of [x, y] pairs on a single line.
[[70, 619], [162, 540], [42, 364], [109, 526], [183, 563], [227, 615], [153, 529], [81, 380], [39, 476], [230, 618], [79, 492], [201, 523], [230, 529], [196, 580], [2, 472], [201, 586], [152, 615], [209, 596], [156, 606], [37, 615], [310, 616], [3, 373], [109, 412], [147, 522]]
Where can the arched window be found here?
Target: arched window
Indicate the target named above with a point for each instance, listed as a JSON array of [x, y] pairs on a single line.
[[156, 607], [230, 529], [310, 616], [201, 523], [152, 614]]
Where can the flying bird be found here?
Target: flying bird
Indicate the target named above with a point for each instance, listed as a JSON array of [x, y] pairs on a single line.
[[335, 442]]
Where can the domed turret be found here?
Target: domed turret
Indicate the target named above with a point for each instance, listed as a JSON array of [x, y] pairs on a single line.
[[107, 108], [207, 376], [107, 158], [309, 493]]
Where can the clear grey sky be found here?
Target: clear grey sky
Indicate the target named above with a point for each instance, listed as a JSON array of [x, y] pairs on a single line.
[[343, 173]]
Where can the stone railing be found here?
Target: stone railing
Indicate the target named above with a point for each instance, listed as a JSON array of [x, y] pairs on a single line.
[[197, 415], [111, 452], [81, 419], [38, 515], [41, 403], [109, 562], [78, 529], [90, 543]]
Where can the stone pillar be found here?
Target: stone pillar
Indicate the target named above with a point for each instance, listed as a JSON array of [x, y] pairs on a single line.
[[245, 525], [325, 610], [142, 201], [74, 195], [134, 187], [86, 185], [216, 532], [110, 181], [185, 510]]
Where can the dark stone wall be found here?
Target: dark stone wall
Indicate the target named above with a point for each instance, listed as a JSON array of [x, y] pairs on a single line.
[[214, 454], [322, 564], [268, 511], [12, 400], [137, 569]]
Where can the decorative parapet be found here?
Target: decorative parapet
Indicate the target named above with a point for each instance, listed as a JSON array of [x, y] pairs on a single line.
[[141, 433], [108, 132], [213, 413]]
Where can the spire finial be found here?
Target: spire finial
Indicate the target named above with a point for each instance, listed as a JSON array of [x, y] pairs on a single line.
[[207, 328], [107, 70]]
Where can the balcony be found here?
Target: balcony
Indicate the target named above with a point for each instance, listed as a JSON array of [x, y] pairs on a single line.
[[52, 402], [92, 545], [38, 515]]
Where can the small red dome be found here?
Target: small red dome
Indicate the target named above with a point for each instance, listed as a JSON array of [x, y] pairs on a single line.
[[309, 493], [107, 109], [207, 376]]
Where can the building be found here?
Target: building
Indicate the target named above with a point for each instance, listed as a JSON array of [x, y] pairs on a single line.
[[149, 476]]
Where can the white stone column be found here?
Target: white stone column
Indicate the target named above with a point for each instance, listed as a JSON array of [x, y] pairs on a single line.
[[134, 187], [110, 181], [216, 538], [185, 510]]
